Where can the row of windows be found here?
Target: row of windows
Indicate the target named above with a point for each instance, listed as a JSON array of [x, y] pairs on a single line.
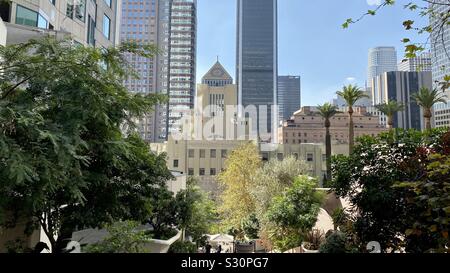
[[212, 153], [202, 172]]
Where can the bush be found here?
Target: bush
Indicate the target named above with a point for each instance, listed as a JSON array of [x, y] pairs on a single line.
[[123, 238], [183, 247], [334, 243]]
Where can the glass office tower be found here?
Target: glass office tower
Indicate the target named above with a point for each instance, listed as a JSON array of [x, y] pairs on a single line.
[[257, 62]]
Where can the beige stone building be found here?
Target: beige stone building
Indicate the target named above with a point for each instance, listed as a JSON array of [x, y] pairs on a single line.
[[205, 159], [307, 126]]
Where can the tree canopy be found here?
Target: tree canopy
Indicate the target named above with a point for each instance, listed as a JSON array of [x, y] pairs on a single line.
[[69, 156]]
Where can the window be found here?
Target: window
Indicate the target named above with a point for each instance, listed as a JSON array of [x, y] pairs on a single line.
[[5, 11], [80, 9], [280, 156], [310, 157], [175, 163], [42, 23], [202, 172], [191, 153], [91, 31], [296, 156], [212, 172], [265, 156], [106, 26], [26, 17], [202, 153], [108, 2], [53, 2], [190, 171], [213, 153], [224, 153]]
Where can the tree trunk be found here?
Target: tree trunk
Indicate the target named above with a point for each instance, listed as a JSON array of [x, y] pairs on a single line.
[[351, 140], [427, 115], [390, 122], [328, 148]]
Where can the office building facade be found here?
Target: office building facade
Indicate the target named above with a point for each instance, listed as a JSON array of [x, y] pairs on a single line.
[[421, 63], [400, 86], [182, 62], [90, 23], [440, 41], [171, 25], [289, 97], [381, 59], [257, 62]]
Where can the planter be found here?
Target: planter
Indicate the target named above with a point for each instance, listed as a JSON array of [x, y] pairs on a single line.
[[161, 246], [305, 250]]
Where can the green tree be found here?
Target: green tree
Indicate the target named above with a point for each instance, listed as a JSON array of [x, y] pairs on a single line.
[[123, 237], [390, 109], [426, 99], [351, 94], [271, 180], [369, 177], [197, 212], [237, 202], [327, 111], [428, 193], [294, 213], [66, 159]]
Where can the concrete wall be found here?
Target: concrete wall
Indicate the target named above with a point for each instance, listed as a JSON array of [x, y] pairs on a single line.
[[2, 33]]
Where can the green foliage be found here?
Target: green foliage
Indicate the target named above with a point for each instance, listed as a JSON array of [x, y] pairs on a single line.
[[390, 109], [369, 179], [314, 239], [197, 212], [426, 98], [351, 94], [251, 227], [237, 178], [183, 247], [431, 196], [335, 243], [123, 237], [68, 153], [271, 180], [327, 110], [294, 213]]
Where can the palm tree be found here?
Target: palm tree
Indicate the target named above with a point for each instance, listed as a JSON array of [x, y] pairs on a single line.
[[427, 99], [327, 111], [390, 109], [351, 94]]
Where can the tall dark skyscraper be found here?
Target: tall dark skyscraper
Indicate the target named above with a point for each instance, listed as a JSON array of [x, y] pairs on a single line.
[[288, 97], [257, 62]]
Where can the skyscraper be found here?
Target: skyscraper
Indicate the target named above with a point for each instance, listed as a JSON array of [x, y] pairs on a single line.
[[139, 23], [288, 98], [257, 62], [381, 59], [182, 61], [440, 41], [171, 25], [420, 63]]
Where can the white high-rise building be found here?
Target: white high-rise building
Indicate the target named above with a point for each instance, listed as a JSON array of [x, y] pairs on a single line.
[[381, 59], [421, 63]]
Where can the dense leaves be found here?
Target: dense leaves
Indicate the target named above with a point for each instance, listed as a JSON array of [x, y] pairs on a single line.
[[294, 213], [384, 211], [68, 154]]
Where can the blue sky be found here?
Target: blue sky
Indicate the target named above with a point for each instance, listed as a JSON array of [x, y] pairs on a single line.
[[311, 41]]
